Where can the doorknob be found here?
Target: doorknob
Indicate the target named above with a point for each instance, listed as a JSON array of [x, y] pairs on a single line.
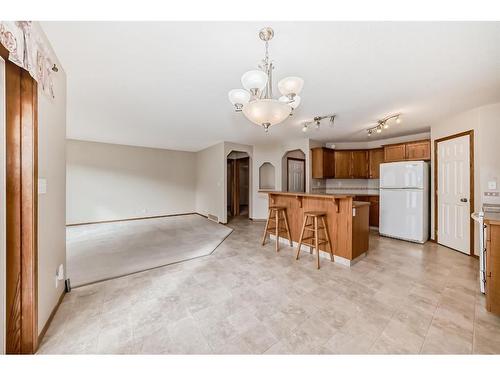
[[463, 200]]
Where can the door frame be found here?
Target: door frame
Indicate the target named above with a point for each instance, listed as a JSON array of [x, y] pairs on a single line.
[[288, 158], [233, 176], [21, 176], [470, 133]]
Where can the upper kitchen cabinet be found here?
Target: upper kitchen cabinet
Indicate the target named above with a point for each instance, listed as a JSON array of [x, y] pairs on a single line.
[[395, 152], [323, 162], [359, 164], [351, 164], [417, 150], [376, 158], [342, 164], [420, 150]]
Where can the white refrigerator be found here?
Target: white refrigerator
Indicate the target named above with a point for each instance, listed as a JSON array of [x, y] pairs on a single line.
[[404, 200]]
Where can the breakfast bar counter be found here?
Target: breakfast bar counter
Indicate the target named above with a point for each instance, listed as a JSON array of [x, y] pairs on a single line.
[[347, 220]]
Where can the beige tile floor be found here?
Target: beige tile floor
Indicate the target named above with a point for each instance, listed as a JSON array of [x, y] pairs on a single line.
[[244, 298]]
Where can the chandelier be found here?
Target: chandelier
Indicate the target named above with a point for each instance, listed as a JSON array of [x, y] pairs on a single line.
[[256, 99]]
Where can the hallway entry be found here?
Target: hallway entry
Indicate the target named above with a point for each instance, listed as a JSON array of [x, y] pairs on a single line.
[[238, 181]]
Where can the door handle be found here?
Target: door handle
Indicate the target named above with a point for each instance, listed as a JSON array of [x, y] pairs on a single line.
[[463, 200]]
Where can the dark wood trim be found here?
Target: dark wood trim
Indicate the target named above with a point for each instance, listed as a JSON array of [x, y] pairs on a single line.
[[288, 158], [470, 133], [131, 219], [51, 317], [4, 53], [21, 211]]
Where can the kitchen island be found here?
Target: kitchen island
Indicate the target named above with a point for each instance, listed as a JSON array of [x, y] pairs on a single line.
[[347, 220]]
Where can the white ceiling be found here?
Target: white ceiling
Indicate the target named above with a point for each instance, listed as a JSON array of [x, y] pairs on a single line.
[[165, 84]]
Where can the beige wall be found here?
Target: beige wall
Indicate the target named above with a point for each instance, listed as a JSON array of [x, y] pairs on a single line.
[[52, 204], [113, 182], [210, 181], [274, 153], [485, 121]]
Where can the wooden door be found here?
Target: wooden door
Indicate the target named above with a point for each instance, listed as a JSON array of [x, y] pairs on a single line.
[[418, 150], [453, 193], [21, 210], [359, 164], [376, 157], [395, 152], [342, 164]]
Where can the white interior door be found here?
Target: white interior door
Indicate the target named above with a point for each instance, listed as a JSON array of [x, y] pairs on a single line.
[[453, 193], [296, 175]]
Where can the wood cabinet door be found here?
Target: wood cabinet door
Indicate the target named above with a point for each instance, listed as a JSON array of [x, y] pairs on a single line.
[[317, 162], [328, 163], [376, 157], [342, 164], [395, 152], [359, 167], [493, 269], [418, 150]]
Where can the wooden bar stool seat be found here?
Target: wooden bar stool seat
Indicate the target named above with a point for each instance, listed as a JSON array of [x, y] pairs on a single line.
[[311, 221], [277, 215]]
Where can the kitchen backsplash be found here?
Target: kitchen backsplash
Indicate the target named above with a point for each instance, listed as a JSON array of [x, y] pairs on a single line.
[[362, 184], [347, 184]]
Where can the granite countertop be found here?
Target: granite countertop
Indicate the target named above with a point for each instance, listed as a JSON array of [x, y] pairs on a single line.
[[319, 194], [492, 218], [353, 191]]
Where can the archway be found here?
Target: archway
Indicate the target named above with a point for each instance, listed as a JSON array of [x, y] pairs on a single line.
[[293, 171]]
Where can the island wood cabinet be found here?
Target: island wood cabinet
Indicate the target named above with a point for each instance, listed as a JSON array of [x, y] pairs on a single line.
[[374, 209], [493, 266], [417, 150], [323, 162], [375, 158]]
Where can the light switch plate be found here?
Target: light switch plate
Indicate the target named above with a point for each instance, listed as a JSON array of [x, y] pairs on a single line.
[[42, 186], [492, 185]]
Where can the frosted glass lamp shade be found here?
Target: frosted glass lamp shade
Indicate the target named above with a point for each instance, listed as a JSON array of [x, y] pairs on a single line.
[[291, 85], [239, 96], [254, 79], [294, 104], [267, 111]]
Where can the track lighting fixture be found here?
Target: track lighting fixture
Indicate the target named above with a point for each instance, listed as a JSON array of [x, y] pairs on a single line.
[[384, 124]]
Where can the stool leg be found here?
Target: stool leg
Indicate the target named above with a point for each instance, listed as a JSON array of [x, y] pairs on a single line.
[[300, 239], [267, 227], [311, 248], [323, 221], [287, 229], [316, 240], [277, 230]]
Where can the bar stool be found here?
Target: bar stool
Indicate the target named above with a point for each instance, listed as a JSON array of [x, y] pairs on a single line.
[[313, 227], [276, 215]]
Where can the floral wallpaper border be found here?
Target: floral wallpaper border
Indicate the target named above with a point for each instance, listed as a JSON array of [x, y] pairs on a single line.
[[27, 50]]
